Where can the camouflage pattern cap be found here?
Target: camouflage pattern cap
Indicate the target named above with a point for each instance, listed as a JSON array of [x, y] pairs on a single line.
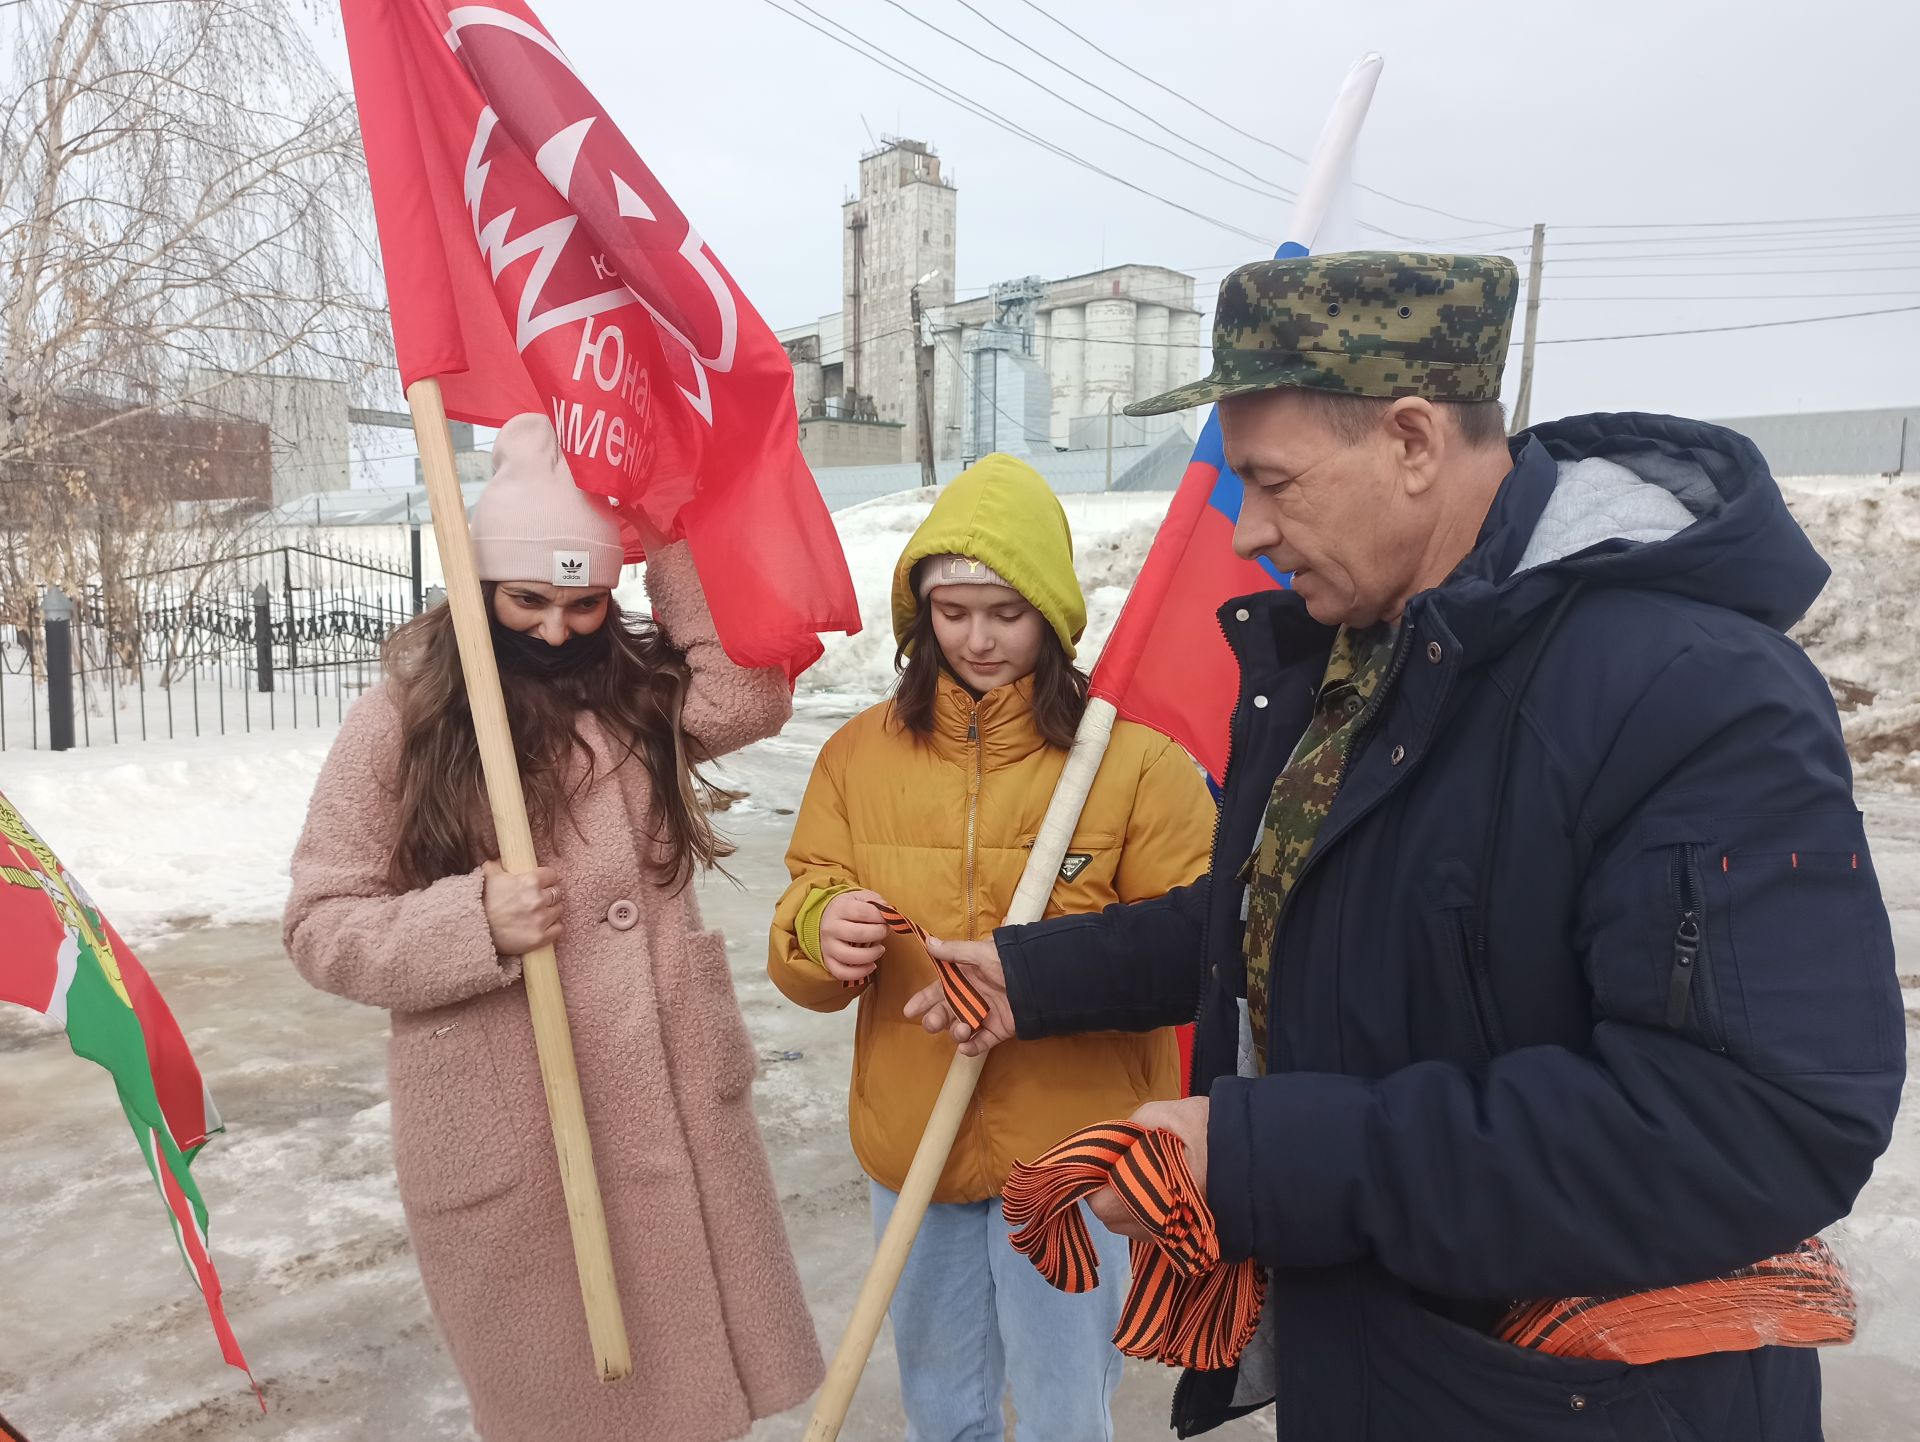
[[1362, 323]]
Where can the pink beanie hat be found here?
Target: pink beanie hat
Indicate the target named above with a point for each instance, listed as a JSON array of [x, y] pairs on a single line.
[[532, 523]]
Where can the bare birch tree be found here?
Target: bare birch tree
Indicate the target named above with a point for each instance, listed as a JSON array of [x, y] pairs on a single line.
[[182, 200]]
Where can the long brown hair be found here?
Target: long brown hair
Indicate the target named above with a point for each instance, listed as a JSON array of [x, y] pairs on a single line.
[[636, 693], [1059, 686]]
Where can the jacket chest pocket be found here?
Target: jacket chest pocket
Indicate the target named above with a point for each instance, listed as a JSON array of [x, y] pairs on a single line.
[[1687, 958], [1088, 875], [1768, 941], [1658, 937]]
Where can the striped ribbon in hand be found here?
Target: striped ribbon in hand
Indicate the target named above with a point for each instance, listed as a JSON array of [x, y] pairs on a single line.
[[961, 995], [1186, 1307]]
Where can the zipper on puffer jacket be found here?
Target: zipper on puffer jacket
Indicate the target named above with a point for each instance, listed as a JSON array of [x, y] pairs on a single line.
[[1690, 984], [1474, 986], [973, 812]]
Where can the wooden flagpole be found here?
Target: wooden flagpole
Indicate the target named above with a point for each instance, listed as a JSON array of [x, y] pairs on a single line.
[[963, 1075], [586, 1216]]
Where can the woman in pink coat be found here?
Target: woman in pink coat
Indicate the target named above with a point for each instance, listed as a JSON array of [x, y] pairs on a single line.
[[397, 903]]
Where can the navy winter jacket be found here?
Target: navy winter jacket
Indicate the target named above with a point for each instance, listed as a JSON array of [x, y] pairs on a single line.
[[1586, 986]]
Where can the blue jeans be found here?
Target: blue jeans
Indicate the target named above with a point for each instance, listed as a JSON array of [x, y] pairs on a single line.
[[971, 1316]]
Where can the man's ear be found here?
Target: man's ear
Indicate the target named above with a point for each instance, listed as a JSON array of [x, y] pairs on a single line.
[[1417, 435]]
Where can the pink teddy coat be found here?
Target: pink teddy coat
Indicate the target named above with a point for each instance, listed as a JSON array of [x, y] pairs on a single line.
[[719, 1327]]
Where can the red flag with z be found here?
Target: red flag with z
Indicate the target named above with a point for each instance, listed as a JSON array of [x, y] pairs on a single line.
[[534, 263]]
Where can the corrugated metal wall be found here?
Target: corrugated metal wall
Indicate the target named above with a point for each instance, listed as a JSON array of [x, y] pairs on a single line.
[[1836, 443]]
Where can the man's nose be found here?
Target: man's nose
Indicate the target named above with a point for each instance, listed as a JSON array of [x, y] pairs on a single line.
[[1254, 530]]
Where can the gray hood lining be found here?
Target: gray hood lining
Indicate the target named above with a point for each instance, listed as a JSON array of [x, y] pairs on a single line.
[[1646, 497]]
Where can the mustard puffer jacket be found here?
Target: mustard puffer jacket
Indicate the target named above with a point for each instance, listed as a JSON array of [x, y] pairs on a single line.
[[941, 826]]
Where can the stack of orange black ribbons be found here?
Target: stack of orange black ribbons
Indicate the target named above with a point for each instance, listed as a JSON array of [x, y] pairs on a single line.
[[1186, 1308]]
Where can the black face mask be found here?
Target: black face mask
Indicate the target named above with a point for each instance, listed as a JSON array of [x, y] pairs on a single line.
[[525, 654]]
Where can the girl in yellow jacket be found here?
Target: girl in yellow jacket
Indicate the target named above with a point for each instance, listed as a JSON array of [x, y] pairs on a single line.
[[931, 802]]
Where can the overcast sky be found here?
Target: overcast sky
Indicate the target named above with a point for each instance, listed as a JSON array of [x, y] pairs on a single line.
[[1682, 115]]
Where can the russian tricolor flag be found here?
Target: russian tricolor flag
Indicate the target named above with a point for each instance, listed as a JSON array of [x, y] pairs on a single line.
[[1167, 664]]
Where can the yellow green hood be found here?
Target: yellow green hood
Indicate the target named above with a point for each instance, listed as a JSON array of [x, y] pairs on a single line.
[[999, 511]]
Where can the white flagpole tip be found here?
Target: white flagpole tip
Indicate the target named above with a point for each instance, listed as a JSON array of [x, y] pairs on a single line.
[[1327, 171]]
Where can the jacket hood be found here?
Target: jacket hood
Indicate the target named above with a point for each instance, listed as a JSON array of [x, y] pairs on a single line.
[[1657, 503], [1000, 511]]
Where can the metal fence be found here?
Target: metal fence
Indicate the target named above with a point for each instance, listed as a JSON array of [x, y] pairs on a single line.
[[283, 637]]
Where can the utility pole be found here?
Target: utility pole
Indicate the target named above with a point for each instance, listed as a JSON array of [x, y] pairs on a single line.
[[1523, 404], [1109, 442], [923, 389]]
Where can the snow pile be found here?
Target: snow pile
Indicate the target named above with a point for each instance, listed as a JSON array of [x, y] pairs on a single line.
[[1862, 632], [1111, 534], [171, 834]]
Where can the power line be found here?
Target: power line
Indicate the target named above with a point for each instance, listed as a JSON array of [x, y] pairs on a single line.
[[1185, 99], [1856, 231], [1789, 295], [891, 62], [1260, 186], [1714, 329], [1715, 274], [1158, 295], [1867, 250], [1898, 220], [1739, 224], [887, 61], [1561, 340], [1263, 183]]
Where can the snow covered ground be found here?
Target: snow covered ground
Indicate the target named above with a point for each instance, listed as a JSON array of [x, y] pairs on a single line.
[[104, 1340], [175, 834], [186, 844]]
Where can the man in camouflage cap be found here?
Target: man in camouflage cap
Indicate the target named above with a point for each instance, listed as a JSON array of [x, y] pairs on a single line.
[[1541, 956]]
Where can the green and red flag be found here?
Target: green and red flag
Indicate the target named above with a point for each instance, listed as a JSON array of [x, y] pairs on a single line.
[[60, 957]]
